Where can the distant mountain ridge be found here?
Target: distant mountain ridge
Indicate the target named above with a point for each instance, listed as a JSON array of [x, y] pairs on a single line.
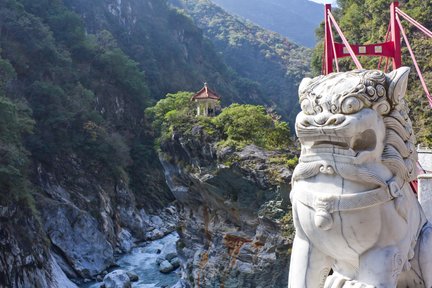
[[295, 19]]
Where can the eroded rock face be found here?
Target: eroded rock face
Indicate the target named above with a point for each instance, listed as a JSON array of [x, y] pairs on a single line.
[[231, 207], [25, 260], [76, 234], [89, 221]]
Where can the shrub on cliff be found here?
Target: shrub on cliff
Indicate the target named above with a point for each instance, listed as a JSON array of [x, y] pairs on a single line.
[[241, 125], [173, 113]]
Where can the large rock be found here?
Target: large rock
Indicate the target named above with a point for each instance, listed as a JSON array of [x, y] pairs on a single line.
[[59, 276], [76, 234], [117, 279], [166, 267], [175, 262], [125, 240], [25, 260]]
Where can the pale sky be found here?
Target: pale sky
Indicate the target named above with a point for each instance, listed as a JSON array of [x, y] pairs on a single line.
[[324, 1]]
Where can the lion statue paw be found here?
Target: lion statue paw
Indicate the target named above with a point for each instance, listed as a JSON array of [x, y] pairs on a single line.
[[337, 281]]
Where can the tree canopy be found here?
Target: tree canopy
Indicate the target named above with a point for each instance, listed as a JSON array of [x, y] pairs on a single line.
[[237, 125], [15, 122]]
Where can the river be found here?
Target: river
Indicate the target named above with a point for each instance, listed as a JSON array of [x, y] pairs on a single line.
[[142, 261]]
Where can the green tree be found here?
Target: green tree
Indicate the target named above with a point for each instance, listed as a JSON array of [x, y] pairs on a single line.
[[15, 122], [249, 124], [173, 113], [237, 125]]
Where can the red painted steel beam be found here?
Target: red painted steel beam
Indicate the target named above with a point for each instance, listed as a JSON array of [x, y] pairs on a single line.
[[381, 57], [419, 73], [395, 36], [334, 49], [345, 41], [381, 49], [414, 22], [328, 45], [389, 49]]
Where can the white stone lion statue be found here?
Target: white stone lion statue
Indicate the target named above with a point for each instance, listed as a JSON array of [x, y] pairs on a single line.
[[355, 214]]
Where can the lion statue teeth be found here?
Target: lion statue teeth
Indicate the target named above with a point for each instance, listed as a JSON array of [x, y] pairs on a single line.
[[354, 211]]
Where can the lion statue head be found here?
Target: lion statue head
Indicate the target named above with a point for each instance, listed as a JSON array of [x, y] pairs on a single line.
[[357, 118]]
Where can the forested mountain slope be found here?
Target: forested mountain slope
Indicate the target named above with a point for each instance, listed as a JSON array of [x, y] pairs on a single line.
[[367, 22], [271, 60], [79, 175], [167, 46]]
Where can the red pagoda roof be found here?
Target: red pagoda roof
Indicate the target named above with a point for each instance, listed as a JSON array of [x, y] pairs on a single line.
[[205, 93]]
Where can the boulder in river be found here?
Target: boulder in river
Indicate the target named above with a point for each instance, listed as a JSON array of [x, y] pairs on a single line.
[[171, 255], [166, 267], [175, 262], [117, 279], [132, 276]]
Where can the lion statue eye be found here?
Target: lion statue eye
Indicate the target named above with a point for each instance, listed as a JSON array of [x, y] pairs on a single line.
[[306, 107], [351, 105]]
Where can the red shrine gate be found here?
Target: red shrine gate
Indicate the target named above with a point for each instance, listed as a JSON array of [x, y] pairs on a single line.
[[389, 49]]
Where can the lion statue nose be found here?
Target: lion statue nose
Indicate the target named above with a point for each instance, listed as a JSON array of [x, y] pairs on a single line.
[[326, 118], [322, 118]]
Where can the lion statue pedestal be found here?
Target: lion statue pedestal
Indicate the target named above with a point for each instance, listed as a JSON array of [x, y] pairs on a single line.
[[355, 214]]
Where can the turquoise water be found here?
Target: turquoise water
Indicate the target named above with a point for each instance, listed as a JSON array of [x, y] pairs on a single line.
[[142, 261]]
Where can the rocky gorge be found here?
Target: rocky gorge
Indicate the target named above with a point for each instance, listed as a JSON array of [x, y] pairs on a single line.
[[80, 178], [235, 226], [87, 229], [232, 214]]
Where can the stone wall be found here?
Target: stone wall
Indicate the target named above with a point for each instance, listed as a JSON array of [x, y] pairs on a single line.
[[425, 158]]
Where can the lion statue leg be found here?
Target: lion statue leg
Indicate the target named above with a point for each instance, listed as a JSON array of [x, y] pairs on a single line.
[[381, 267], [424, 254], [309, 267], [420, 274]]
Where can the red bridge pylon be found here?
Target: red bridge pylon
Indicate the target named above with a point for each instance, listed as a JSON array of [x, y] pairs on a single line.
[[390, 49]]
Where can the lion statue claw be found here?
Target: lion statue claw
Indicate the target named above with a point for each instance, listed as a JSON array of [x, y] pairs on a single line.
[[353, 208], [334, 281]]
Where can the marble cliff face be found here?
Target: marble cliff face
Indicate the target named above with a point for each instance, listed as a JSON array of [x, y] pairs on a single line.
[[231, 206], [353, 208]]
